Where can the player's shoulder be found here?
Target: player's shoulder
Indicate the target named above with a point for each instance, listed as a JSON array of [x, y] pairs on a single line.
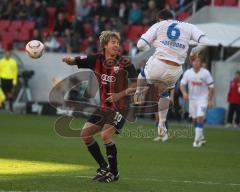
[[205, 71], [188, 71]]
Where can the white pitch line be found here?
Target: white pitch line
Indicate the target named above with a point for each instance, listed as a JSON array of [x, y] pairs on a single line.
[[155, 180]]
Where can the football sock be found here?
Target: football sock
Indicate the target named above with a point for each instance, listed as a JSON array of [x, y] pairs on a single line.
[[198, 131], [95, 151], [163, 106], [112, 157]]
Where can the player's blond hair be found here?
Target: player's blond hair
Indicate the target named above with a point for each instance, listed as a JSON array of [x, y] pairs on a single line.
[[105, 36]]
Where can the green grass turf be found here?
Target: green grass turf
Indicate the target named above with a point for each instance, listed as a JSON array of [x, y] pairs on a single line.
[[34, 158]]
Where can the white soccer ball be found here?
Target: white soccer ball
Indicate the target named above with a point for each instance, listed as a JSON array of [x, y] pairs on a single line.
[[34, 49]]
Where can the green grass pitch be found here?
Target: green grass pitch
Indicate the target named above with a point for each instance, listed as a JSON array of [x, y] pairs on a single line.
[[34, 158]]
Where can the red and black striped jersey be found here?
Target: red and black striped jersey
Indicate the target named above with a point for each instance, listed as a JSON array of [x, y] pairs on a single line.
[[112, 74]]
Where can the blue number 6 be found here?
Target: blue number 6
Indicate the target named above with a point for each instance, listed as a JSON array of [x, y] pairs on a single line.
[[173, 32]]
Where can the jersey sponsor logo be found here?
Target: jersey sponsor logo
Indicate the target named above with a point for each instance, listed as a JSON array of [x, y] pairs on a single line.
[[197, 83], [107, 78], [116, 69]]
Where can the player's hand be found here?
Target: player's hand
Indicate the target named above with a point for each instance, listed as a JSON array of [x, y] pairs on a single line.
[[185, 96], [113, 97], [69, 60], [210, 103]]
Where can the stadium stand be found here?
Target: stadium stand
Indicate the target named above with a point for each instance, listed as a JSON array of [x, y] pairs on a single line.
[[17, 28]]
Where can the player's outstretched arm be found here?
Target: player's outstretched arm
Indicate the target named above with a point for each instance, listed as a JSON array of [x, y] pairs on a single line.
[[69, 60]]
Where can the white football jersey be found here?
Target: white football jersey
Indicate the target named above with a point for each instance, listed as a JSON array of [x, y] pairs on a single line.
[[171, 39], [198, 83]]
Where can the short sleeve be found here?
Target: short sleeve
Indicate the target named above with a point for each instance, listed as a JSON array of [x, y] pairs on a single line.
[[150, 35], [209, 79], [85, 61], [196, 34]]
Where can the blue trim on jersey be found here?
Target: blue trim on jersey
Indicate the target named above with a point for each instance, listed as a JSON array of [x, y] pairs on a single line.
[[200, 37], [146, 42], [164, 94], [142, 72], [210, 83]]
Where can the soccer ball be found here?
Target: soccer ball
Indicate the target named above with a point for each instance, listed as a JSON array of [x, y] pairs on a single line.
[[34, 49]]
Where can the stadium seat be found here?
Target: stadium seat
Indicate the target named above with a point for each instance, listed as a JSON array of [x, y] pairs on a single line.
[[7, 41], [29, 25], [51, 17], [15, 25], [218, 2], [145, 28], [172, 3], [182, 16], [13, 33], [126, 46], [134, 32], [4, 24], [88, 29], [230, 2], [24, 35]]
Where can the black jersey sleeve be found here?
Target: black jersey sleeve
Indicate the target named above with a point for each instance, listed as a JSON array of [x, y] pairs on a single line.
[[86, 61]]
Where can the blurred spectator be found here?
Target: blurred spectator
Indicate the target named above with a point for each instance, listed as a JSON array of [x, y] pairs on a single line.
[[234, 101], [160, 4], [75, 42], [151, 12], [135, 14], [68, 41], [37, 35], [116, 25], [84, 10], [52, 44], [39, 14], [133, 50], [109, 10], [6, 10], [20, 10], [61, 24], [170, 8], [98, 25], [123, 12], [8, 76], [92, 45], [96, 9], [181, 4], [78, 27]]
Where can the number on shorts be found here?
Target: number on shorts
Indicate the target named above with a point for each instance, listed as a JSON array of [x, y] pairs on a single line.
[[117, 118]]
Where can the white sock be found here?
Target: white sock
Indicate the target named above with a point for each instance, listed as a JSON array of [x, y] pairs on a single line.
[[163, 106], [198, 134]]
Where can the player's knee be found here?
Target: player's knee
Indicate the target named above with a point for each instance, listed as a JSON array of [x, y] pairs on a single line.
[[85, 137], [106, 137]]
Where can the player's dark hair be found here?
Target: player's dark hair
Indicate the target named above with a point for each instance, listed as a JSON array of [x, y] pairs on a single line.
[[238, 72], [164, 14]]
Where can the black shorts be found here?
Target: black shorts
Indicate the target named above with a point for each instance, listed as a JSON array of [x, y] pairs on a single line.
[[101, 117], [7, 85]]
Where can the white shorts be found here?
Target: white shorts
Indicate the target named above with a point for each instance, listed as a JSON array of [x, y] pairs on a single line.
[[197, 108], [158, 71]]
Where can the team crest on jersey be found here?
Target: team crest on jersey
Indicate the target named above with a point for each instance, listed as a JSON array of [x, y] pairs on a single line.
[[116, 69]]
